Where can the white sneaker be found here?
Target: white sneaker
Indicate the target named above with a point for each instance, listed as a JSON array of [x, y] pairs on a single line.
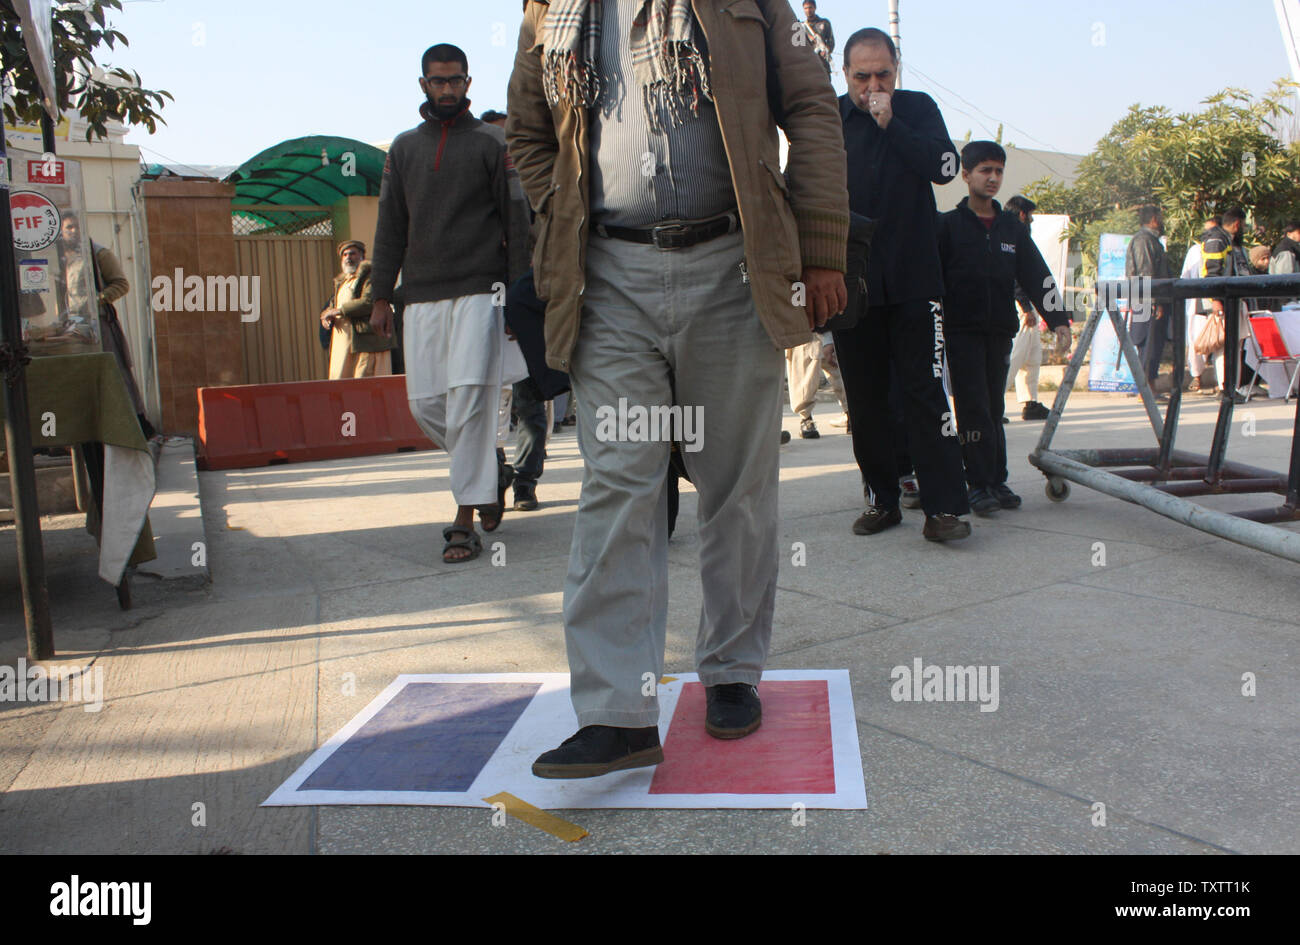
[[841, 421]]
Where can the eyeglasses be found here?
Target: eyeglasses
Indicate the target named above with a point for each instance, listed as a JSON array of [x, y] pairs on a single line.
[[453, 82]]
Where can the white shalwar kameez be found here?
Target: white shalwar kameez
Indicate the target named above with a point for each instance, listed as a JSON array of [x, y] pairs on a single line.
[[457, 360]]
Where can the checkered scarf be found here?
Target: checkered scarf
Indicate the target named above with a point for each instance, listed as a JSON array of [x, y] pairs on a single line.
[[666, 58]]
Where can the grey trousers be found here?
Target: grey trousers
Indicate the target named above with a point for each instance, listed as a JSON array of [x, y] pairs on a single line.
[[660, 328]]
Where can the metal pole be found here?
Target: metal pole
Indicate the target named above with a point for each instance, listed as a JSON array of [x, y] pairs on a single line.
[[1067, 382], [47, 135], [1231, 360], [898, 43], [1130, 353], [1174, 320], [1276, 541], [18, 443], [1293, 477]]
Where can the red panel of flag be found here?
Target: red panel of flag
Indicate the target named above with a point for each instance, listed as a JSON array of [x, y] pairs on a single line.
[[790, 754]]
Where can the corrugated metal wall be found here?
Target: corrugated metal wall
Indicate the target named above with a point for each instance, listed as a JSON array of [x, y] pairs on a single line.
[[297, 276]]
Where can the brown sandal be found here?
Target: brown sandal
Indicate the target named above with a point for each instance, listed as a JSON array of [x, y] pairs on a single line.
[[470, 542]]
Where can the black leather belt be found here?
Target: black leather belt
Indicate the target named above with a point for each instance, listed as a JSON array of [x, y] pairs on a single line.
[[675, 234]]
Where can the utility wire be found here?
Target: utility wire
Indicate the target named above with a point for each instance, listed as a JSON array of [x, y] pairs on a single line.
[[1008, 124], [951, 107]]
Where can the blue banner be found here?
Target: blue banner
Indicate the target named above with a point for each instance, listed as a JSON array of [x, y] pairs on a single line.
[[1107, 369]]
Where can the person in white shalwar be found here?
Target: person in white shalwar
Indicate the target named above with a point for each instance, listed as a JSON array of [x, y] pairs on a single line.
[[449, 212]]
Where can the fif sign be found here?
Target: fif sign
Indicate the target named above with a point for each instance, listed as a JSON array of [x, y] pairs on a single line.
[[45, 172], [35, 220]]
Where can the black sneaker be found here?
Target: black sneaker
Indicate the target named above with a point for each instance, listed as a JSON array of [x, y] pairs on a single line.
[[785, 437], [1006, 498], [982, 502], [1035, 411], [808, 430], [877, 519], [945, 527], [525, 497], [600, 749], [734, 710]]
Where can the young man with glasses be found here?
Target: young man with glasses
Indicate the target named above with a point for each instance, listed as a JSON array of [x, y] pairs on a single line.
[[444, 222]]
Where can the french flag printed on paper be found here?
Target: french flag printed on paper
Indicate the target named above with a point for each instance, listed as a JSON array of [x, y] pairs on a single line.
[[452, 740]]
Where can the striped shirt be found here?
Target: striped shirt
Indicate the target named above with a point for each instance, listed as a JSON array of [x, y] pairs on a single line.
[[640, 178]]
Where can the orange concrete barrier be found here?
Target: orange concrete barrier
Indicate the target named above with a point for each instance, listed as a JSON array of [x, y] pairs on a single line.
[[259, 424]]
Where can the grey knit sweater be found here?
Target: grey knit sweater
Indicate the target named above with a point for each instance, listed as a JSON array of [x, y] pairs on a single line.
[[444, 211]]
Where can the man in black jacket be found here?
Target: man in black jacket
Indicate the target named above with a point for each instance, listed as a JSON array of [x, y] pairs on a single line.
[[1146, 258], [1222, 254], [1026, 347], [897, 147], [985, 253]]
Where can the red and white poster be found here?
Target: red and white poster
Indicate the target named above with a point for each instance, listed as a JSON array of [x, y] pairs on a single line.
[[35, 220]]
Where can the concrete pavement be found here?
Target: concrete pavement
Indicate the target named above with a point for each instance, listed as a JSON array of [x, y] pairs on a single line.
[[1120, 683]]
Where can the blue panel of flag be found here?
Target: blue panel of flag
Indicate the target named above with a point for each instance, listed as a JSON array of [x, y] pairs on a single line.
[[429, 737]]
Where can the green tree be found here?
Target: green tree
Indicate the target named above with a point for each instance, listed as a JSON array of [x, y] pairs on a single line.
[[1192, 164], [79, 30]]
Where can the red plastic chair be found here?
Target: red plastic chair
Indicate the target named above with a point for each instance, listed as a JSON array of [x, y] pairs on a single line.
[[1271, 348]]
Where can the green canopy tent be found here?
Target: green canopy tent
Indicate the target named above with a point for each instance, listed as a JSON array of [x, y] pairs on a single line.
[[290, 187]]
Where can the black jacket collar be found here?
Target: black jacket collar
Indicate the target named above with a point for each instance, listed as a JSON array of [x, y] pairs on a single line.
[[964, 207], [462, 117], [1286, 243]]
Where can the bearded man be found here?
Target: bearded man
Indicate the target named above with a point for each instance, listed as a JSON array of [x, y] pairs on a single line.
[[444, 222], [355, 349]]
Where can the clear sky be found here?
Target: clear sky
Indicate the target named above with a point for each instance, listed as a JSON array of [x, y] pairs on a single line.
[[248, 74]]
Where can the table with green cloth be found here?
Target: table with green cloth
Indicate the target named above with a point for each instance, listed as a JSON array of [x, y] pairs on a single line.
[[81, 398]]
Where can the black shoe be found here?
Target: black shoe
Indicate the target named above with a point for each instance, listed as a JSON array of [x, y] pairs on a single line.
[[945, 527], [734, 710], [525, 497], [785, 437], [1004, 419], [600, 749], [876, 519], [808, 430], [1006, 498], [1035, 411], [982, 502]]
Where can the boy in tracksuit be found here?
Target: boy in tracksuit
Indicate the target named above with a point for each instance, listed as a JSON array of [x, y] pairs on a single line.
[[985, 252]]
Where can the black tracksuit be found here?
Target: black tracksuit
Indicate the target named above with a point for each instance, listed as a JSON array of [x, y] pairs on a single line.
[[981, 270], [901, 337]]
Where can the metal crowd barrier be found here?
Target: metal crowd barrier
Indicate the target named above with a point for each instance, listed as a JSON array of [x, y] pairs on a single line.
[[1161, 478]]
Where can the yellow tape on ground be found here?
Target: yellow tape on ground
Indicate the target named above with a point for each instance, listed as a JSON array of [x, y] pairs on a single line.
[[665, 680], [536, 817]]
